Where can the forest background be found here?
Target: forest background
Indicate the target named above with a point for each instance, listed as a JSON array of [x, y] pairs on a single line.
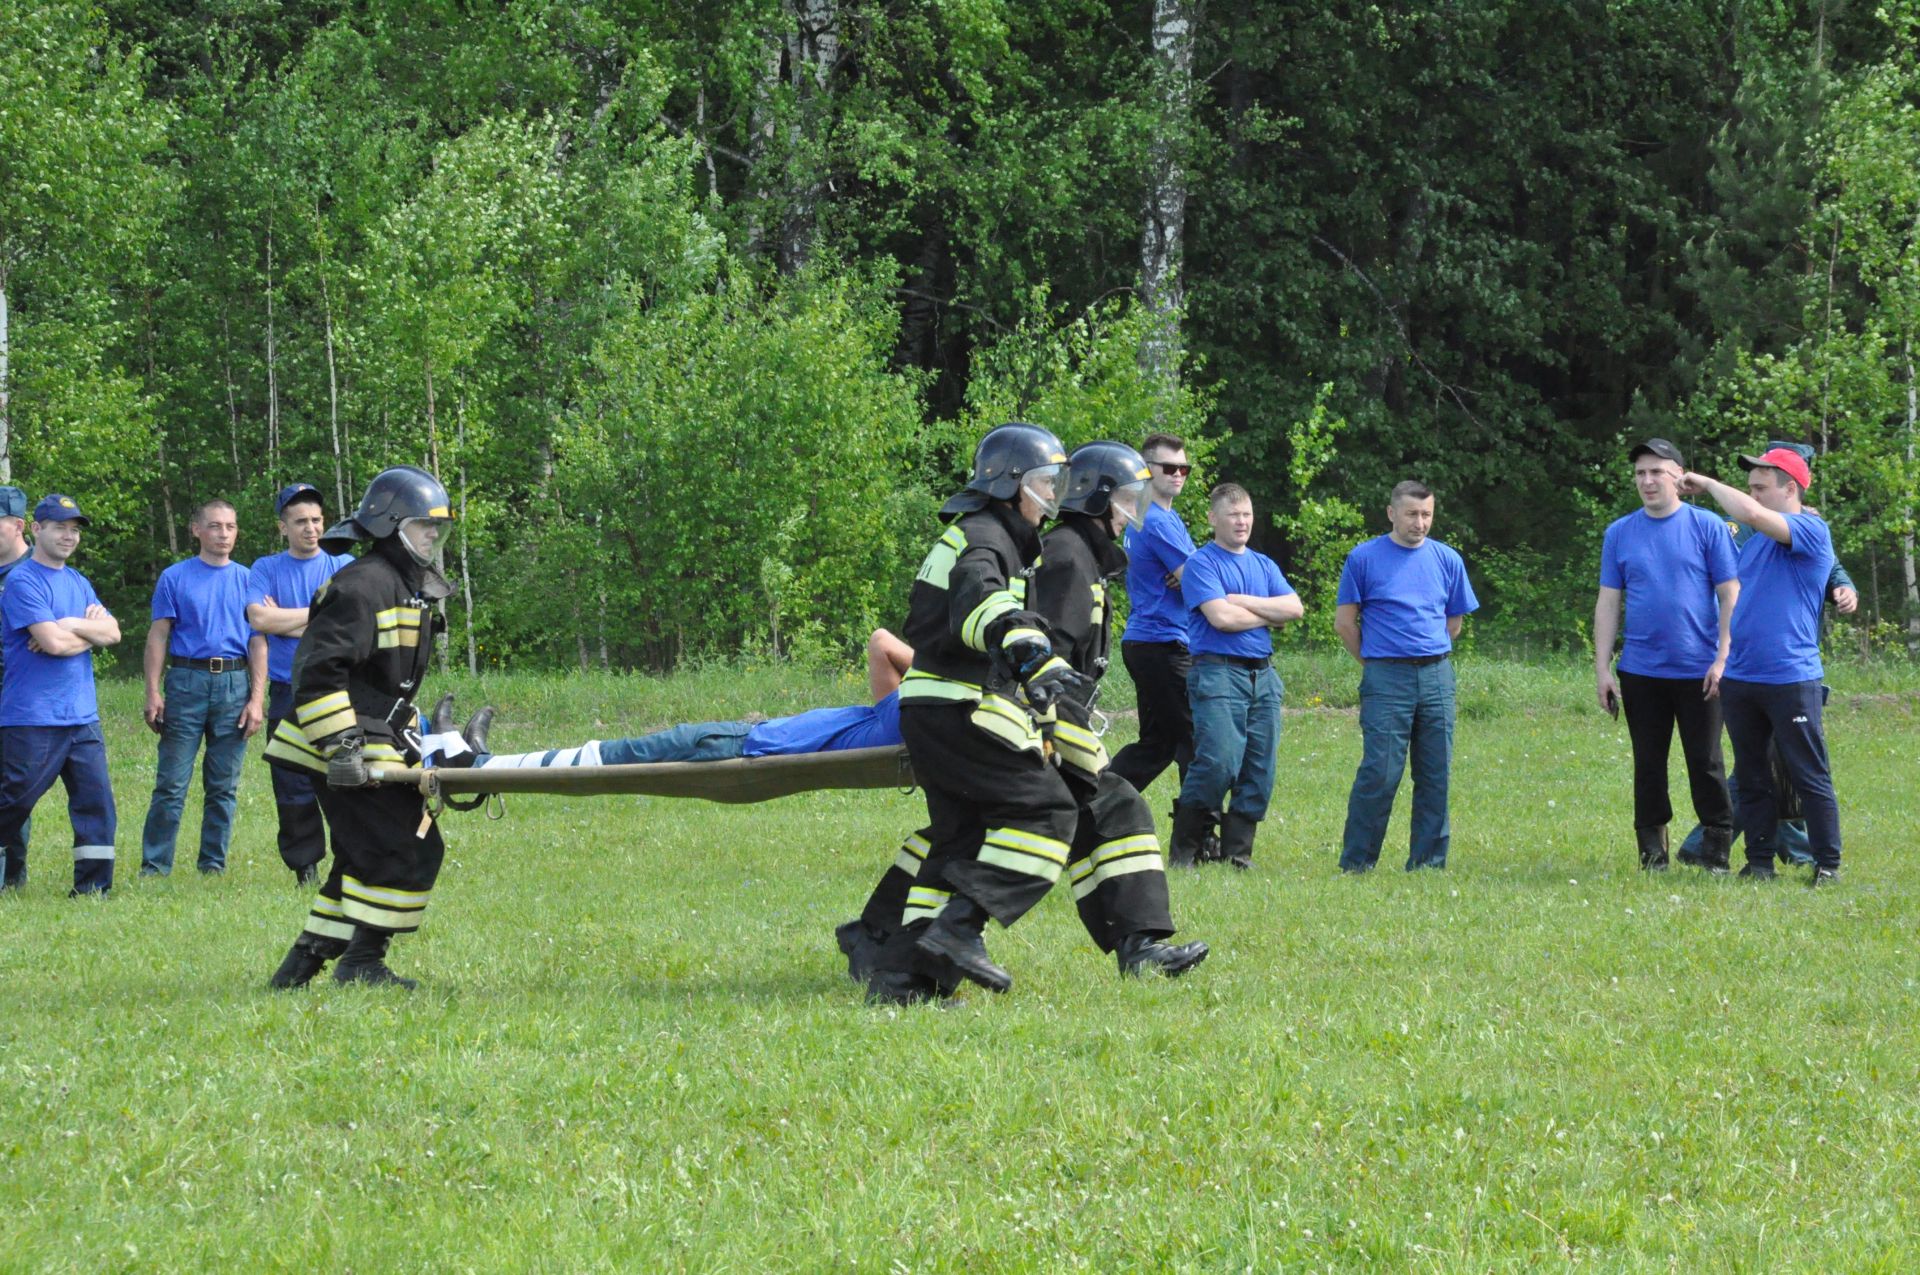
[[697, 305]]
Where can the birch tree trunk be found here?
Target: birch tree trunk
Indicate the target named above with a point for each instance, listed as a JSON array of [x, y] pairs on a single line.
[[1907, 568], [1163, 235], [333, 390], [6, 388], [466, 573], [813, 54], [760, 134], [273, 375]]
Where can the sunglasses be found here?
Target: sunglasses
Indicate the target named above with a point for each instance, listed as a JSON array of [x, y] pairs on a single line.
[[1179, 470]]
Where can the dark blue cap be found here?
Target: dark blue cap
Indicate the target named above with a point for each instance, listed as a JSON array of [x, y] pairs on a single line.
[[54, 507], [13, 502], [292, 492]]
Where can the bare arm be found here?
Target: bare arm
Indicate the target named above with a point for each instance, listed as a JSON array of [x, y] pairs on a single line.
[[1739, 506], [50, 637], [1606, 627], [153, 663], [255, 710], [1229, 617], [97, 626], [888, 659], [1454, 624], [1346, 627], [275, 620], [1728, 592], [1273, 611]]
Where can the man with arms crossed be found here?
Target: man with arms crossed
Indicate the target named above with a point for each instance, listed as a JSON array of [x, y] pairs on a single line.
[[1234, 595], [1771, 690], [1674, 565], [1401, 603]]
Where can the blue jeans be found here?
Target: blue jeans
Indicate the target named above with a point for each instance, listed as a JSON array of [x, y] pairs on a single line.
[[693, 741], [1236, 734], [200, 706], [1403, 708], [31, 758]]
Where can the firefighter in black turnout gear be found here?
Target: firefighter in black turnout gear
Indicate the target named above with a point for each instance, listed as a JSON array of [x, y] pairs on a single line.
[[356, 673], [1003, 811]]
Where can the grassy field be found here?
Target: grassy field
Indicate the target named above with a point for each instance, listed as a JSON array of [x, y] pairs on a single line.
[[636, 1050]]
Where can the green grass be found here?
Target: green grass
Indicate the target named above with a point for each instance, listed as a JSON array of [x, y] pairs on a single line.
[[636, 1050]]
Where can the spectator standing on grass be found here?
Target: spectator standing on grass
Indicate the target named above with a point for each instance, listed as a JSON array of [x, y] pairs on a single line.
[[1403, 598], [1234, 594], [280, 589], [1673, 565], [205, 682], [1771, 693], [50, 623], [1154, 644]]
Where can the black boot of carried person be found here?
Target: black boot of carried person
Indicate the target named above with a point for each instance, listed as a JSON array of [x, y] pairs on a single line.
[[365, 961]]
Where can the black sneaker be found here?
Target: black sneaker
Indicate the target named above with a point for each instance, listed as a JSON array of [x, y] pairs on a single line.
[[1757, 871], [1825, 876]]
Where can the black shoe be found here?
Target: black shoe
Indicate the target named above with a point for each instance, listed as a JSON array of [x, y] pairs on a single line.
[[858, 947], [1140, 953], [955, 937], [1653, 848], [306, 958], [440, 720], [475, 731], [1758, 871], [364, 961], [1824, 877], [897, 987]]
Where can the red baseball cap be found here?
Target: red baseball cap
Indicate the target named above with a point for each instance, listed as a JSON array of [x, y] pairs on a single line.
[[1787, 462]]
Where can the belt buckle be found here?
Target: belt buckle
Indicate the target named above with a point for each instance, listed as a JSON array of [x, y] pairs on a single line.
[[217, 664]]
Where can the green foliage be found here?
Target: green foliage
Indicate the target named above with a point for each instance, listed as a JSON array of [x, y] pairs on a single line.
[[1323, 527]]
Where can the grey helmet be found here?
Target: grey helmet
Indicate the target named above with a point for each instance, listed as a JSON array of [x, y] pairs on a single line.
[[395, 496], [1011, 457], [1101, 476]]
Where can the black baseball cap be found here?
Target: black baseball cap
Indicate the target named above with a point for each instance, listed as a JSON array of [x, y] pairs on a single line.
[[1657, 447]]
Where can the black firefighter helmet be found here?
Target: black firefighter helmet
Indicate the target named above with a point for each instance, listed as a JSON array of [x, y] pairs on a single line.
[[395, 496], [1107, 476], [1013, 457]]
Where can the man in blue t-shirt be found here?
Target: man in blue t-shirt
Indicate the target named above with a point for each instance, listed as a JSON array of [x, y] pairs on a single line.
[[50, 622], [1402, 600], [820, 730], [280, 587], [204, 682], [1154, 643], [1234, 595], [1673, 564], [1771, 691]]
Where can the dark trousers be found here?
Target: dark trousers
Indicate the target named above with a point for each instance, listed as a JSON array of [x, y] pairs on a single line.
[[383, 866], [1786, 715], [303, 835], [31, 758], [1654, 706], [1159, 672]]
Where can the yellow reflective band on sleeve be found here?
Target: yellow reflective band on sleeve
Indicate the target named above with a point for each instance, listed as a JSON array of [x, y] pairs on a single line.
[[1117, 858], [973, 630], [937, 569], [328, 715], [1027, 853], [289, 745], [1099, 603], [1018, 585], [1007, 722], [376, 750], [332, 702], [398, 626], [913, 853], [923, 904], [917, 685], [381, 906], [1078, 747]]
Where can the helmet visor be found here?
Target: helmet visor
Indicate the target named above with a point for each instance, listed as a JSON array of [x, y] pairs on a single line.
[[1130, 502], [1042, 483], [426, 539]]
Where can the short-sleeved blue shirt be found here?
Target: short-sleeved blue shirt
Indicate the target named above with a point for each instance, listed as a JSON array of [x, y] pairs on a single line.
[[1405, 596], [1213, 573], [1776, 624], [6, 569], [290, 582], [827, 730], [208, 607], [1667, 569], [41, 689], [1157, 611]]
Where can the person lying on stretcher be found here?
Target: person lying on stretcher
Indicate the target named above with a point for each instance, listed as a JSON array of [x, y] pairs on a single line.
[[820, 730]]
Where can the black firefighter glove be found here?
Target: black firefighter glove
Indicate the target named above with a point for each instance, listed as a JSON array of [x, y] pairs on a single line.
[[1056, 684], [347, 763], [1026, 653]]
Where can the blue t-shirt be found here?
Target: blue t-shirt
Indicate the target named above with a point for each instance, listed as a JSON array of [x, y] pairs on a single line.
[[1214, 573], [1776, 624], [5, 571], [1156, 610], [41, 689], [208, 607], [1405, 596], [827, 730], [1667, 568], [290, 582]]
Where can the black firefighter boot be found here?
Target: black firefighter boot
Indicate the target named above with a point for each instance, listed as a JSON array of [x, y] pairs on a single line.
[[1716, 850], [1653, 848], [1141, 953], [1236, 839], [955, 935], [365, 961], [307, 957], [1192, 827]]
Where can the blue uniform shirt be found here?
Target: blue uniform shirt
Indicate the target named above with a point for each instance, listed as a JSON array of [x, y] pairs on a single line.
[[290, 582], [1405, 596], [1214, 573], [208, 607], [1776, 625], [45, 690], [1668, 568], [1157, 611], [5, 571], [827, 730]]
